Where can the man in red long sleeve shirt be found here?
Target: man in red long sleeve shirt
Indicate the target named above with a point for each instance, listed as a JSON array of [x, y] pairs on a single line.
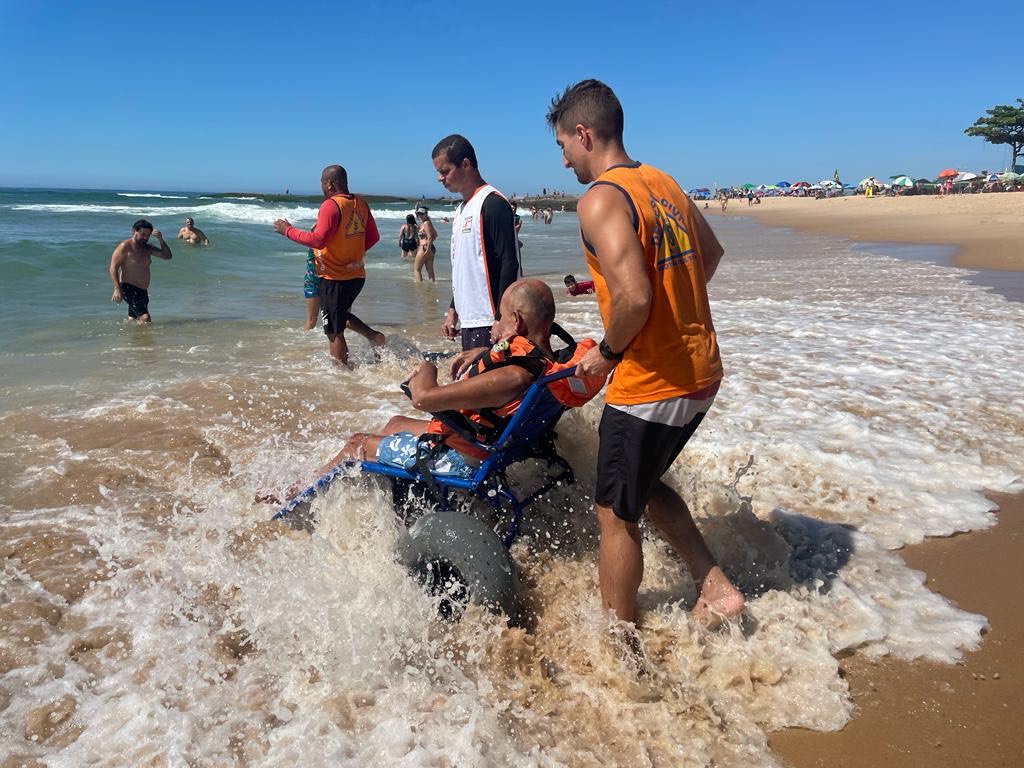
[[344, 231]]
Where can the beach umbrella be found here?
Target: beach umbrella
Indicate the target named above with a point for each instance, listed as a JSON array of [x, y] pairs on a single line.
[[993, 177], [903, 181], [746, 186], [1011, 176], [966, 176], [801, 184], [948, 173], [923, 181], [865, 182], [783, 184], [703, 189], [827, 183], [814, 186], [898, 176]]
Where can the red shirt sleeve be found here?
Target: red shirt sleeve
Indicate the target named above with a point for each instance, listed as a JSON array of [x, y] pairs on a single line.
[[372, 234], [327, 220]]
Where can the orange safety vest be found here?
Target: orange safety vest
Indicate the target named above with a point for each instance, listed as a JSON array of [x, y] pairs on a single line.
[[676, 351], [487, 424], [343, 255]]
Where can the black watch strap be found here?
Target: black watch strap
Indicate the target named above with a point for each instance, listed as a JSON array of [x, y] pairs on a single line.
[[606, 351]]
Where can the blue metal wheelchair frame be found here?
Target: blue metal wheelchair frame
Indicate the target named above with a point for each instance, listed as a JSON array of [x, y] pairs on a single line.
[[529, 434]]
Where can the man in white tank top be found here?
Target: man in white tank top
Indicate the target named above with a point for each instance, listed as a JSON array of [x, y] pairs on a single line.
[[485, 249]]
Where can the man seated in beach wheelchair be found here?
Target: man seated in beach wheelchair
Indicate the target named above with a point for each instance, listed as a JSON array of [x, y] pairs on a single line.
[[499, 409]]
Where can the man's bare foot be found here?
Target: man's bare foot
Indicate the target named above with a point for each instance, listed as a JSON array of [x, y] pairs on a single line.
[[378, 339], [718, 601]]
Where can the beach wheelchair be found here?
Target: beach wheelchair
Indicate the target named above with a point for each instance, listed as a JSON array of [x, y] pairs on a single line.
[[455, 555]]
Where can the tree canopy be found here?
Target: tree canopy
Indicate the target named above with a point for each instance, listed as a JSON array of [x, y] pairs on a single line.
[[1003, 125]]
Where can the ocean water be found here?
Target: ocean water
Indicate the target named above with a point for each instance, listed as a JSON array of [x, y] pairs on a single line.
[[151, 615]]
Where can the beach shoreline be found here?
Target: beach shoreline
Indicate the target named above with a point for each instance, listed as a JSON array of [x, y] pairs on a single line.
[[925, 713], [918, 713], [987, 230]]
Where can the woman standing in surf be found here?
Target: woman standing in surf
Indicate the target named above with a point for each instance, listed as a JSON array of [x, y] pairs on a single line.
[[425, 255]]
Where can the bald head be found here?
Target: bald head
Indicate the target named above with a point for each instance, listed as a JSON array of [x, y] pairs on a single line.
[[334, 179], [533, 300]]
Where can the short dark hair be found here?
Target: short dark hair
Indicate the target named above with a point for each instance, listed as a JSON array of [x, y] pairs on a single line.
[[337, 174], [591, 103], [569, 279], [141, 224], [455, 149], [410, 219]]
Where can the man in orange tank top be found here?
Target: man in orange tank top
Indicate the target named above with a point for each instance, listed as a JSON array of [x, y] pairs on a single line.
[[344, 232], [651, 254]]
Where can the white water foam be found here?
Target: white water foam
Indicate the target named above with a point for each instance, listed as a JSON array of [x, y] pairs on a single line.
[[152, 194], [224, 212]]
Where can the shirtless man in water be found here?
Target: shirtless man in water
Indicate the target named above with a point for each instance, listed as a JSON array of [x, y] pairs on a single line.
[[191, 234], [129, 269]]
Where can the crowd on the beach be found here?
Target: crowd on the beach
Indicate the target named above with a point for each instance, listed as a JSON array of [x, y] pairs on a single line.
[[642, 238], [948, 182]]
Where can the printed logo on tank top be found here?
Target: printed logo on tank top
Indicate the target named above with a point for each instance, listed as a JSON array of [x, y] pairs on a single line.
[[467, 225], [671, 240], [356, 227]]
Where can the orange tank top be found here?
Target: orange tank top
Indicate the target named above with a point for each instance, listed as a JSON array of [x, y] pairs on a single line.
[[343, 255], [676, 352]]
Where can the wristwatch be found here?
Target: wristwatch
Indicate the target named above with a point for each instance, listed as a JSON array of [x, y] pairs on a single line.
[[606, 352]]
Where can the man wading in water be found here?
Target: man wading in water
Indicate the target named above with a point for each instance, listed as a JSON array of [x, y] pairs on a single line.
[[129, 269]]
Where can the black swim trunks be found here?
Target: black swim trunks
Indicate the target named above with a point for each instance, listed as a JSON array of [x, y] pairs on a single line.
[[476, 337], [336, 298], [136, 298], [638, 443]]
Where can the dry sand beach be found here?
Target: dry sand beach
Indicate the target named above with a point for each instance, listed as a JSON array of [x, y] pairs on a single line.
[[927, 714], [988, 230]]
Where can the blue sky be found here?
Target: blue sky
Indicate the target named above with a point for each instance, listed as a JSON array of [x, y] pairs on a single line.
[[260, 96]]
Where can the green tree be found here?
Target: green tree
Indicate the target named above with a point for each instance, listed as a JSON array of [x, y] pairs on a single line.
[[1004, 125]]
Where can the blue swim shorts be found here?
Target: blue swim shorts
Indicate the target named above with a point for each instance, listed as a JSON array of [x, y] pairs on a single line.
[[311, 283], [399, 450]]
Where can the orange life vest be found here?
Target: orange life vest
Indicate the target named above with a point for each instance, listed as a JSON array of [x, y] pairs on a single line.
[[343, 255], [485, 425]]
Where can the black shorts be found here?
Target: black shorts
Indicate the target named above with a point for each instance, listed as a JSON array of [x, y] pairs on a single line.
[[476, 337], [336, 298], [635, 452], [136, 298]]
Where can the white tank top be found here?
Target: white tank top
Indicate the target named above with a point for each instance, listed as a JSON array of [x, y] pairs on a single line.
[[469, 266]]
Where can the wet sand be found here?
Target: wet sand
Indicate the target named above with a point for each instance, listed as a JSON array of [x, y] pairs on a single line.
[[922, 713]]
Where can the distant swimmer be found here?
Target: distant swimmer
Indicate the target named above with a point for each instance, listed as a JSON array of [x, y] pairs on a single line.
[[574, 288], [192, 234], [129, 269], [408, 242]]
